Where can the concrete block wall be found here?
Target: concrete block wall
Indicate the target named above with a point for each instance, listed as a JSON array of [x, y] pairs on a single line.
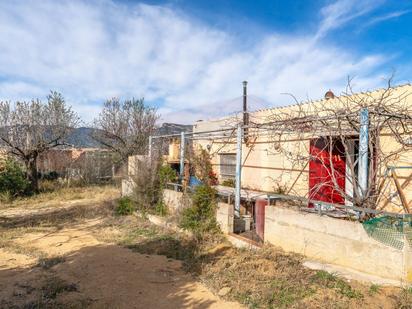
[[173, 200], [335, 241], [224, 217], [127, 186]]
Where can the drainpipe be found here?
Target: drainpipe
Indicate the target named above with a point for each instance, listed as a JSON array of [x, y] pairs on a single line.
[[238, 171], [182, 156], [363, 152], [245, 113]]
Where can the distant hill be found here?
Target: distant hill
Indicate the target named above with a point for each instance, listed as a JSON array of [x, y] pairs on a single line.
[[173, 128], [82, 137]]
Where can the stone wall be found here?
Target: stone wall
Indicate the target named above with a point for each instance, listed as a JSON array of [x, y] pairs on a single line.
[[335, 241]]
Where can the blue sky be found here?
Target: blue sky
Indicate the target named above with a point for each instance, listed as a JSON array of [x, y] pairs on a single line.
[[188, 58]]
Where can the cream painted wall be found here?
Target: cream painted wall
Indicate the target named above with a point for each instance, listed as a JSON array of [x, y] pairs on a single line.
[[265, 168]]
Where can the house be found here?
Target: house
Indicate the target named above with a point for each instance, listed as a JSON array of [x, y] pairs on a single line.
[[345, 157], [311, 149]]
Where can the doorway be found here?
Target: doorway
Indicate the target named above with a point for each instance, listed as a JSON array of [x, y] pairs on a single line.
[[327, 170]]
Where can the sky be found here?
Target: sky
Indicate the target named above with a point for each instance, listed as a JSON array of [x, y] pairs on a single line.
[[189, 58]]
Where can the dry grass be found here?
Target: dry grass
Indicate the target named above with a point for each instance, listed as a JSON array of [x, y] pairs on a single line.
[[267, 278], [62, 196]]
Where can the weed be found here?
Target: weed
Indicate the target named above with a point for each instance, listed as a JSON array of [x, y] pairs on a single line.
[[285, 293], [136, 234], [169, 246], [125, 207], [47, 263], [325, 277], [55, 286], [374, 289], [161, 208], [332, 281], [404, 298]]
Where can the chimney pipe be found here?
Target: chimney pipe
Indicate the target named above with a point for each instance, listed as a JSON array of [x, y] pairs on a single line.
[[245, 113]]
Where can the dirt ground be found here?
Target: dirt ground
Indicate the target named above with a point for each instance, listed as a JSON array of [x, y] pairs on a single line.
[[68, 249], [54, 253]]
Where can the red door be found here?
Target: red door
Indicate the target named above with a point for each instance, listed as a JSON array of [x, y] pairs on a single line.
[[327, 171]]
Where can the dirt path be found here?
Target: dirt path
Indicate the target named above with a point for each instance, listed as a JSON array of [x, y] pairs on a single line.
[[78, 270]]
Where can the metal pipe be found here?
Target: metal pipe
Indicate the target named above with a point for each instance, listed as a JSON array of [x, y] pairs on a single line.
[[193, 133], [182, 155], [245, 113], [150, 148], [238, 171], [363, 152]]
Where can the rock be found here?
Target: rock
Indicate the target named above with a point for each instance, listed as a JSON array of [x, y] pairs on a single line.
[[224, 291]]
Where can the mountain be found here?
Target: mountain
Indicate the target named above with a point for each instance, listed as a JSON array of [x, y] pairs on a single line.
[[82, 137], [173, 128]]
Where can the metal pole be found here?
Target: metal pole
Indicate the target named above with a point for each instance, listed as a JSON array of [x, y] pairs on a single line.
[[245, 113], [150, 148], [363, 152], [182, 155], [238, 171]]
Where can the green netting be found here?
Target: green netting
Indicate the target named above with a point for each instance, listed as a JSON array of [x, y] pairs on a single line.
[[390, 231]]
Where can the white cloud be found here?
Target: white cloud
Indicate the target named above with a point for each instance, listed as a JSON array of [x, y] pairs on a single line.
[[385, 17], [341, 12], [94, 50]]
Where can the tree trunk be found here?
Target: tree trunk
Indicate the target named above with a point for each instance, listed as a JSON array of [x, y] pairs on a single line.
[[32, 175]]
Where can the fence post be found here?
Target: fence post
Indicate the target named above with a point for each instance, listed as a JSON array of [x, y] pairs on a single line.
[[238, 170], [182, 155], [363, 151]]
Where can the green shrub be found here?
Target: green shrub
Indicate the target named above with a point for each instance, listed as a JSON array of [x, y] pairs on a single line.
[[13, 180], [125, 206], [166, 174], [200, 217], [161, 208]]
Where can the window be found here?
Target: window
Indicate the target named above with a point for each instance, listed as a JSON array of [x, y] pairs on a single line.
[[228, 165]]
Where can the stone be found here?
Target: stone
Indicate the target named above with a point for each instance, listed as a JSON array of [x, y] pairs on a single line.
[[224, 291]]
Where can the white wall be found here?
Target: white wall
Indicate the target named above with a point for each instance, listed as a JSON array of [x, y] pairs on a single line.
[[334, 241]]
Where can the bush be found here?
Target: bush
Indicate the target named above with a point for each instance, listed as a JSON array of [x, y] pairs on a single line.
[[200, 217], [125, 207], [230, 182], [150, 182], [166, 174], [161, 208], [13, 180]]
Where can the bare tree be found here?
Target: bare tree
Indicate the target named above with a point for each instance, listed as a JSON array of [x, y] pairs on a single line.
[[28, 129], [334, 125], [125, 127]]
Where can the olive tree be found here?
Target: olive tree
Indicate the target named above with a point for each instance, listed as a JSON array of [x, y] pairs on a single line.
[[125, 127], [29, 128]]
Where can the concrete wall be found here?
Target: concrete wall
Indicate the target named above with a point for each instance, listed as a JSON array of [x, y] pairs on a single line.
[[224, 217], [335, 241], [127, 186], [173, 200]]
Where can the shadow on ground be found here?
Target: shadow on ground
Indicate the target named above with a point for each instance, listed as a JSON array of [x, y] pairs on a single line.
[[103, 277], [59, 216]]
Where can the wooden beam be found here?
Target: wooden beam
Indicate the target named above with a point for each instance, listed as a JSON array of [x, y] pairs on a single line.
[[401, 193]]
